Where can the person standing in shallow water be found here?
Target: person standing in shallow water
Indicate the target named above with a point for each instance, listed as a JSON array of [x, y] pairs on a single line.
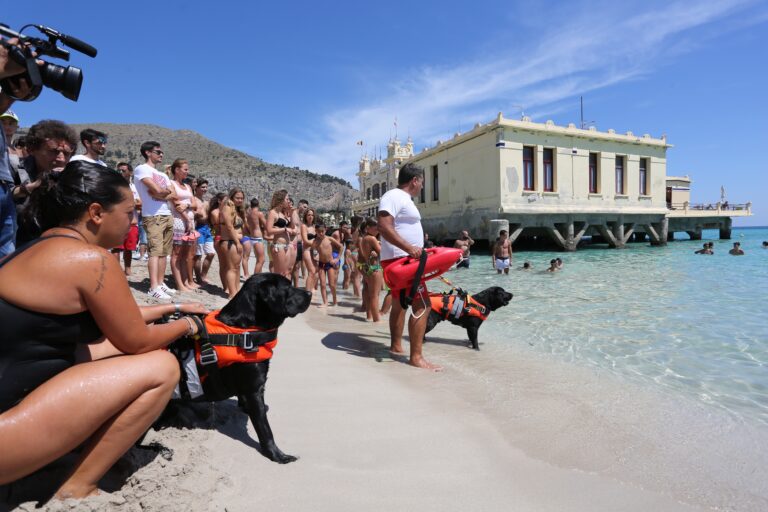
[[737, 250], [402, 236]]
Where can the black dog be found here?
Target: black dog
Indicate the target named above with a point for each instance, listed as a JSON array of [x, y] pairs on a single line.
[[470, 316], [264, 302]]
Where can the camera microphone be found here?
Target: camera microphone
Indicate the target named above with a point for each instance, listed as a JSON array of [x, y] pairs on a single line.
[[72, 42]]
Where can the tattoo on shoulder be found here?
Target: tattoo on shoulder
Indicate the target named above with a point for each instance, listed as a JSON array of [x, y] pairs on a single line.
[[102, 271]]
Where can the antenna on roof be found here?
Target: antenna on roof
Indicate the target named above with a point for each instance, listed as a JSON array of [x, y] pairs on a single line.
[[584, 124]]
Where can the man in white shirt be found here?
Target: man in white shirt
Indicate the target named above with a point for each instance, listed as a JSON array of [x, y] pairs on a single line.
[[95, 144], [155, 190], [402, 236]]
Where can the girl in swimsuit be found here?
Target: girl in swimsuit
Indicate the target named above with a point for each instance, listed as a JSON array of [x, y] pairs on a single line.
[[370, 248], [307, 235], [241, 226], [79, 364], [230, 247], [255, 220], [280, 227], [183, 225], [214, 216]]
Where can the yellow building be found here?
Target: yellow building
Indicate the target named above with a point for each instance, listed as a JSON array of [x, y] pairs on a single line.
[[535, 179]]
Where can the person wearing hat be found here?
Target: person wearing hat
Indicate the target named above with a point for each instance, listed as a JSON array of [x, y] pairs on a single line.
[[10, 123]]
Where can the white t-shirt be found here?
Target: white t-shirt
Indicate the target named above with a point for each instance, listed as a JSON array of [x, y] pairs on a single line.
[[149, 205], [400, 205], [87, 159], [135, 197]]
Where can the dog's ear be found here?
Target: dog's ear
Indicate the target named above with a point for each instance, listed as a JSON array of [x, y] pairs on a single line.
[[243, 309]]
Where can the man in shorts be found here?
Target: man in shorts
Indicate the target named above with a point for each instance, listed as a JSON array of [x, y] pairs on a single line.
[[502, 250], [464, 243], [132, 238], [402, 236], [155, 191], [205, 252]]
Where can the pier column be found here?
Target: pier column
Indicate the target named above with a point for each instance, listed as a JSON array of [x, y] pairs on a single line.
[[725, 229], [662, 232], [695, 234], [618, 234]]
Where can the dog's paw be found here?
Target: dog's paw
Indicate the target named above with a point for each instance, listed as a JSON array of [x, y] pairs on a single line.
[[280, 457]]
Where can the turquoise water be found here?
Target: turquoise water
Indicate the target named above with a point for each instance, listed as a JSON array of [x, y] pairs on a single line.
[[659, 316]]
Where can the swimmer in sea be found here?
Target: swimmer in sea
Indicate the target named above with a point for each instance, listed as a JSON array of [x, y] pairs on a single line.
[[737, 250], [502, 251]]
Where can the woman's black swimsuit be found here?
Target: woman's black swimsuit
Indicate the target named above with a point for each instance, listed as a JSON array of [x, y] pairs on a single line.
[[311, 236], [281, 223], [36, 346]]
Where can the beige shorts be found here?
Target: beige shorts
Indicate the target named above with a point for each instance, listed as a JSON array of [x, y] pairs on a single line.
[[159, 229]]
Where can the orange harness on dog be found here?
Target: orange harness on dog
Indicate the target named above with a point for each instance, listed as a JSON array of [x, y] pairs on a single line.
[[225, 345], [456, 304]]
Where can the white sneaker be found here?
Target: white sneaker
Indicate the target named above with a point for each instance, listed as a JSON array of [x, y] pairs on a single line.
[[157, 293], [166, 290], [135, 255], [145, 258]]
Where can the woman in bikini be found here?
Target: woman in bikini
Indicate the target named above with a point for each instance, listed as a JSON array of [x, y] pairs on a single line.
[[307, 235], [183, 210], [241, 226], [370, 248], [79, 364], [214, 210], [280, 228], [255, 220], [231, 250]]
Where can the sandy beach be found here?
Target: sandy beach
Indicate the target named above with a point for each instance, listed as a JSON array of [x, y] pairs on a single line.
[[373, 433]]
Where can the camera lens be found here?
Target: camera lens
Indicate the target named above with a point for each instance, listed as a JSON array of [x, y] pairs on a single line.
[[66, 80]]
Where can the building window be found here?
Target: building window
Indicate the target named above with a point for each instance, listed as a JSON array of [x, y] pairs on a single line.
[[368, 193], [594, 176], [528, 169], [549, 170], [620, 175], [376, 191], [643, 176], [384, 188], [435, 187], [423, 195]]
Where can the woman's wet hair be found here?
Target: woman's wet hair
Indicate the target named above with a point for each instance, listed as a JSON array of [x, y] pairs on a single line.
[[63, 197]]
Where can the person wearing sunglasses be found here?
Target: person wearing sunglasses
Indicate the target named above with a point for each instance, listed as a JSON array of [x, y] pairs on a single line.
[[155, 192], [95, 144]]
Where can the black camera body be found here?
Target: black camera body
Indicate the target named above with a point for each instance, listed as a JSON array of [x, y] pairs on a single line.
[[66, 80]]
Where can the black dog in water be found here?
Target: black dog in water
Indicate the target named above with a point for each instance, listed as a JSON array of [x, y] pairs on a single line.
[[468, 315], [263, 303]]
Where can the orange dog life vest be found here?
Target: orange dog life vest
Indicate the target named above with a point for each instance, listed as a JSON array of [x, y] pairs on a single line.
[[234, 344], [456, 305]]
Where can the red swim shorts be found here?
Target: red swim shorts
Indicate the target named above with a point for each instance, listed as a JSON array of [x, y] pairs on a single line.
[[131, 239], [422, 291]]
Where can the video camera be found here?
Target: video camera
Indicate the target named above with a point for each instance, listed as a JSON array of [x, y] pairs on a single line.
[[66, 80]]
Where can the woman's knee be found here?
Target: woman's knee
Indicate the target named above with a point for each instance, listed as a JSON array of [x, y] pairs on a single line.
[[163, 366]]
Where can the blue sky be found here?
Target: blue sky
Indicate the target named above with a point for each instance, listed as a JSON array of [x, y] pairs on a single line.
[[299, 83]]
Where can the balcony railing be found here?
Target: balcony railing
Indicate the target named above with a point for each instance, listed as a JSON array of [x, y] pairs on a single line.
[[713, 207]]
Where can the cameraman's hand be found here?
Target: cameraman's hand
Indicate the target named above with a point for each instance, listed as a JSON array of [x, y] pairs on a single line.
[[8, 66]]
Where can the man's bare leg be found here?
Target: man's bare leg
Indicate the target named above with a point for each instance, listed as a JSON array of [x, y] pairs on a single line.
[[417, 325], [396, 325]]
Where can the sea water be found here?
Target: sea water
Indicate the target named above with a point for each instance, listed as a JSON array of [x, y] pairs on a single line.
[[661, 317]]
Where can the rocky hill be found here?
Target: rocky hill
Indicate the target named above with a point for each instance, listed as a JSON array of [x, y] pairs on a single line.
[[225, 167]]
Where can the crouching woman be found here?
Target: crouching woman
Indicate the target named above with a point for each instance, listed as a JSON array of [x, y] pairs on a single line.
[[78, 363]]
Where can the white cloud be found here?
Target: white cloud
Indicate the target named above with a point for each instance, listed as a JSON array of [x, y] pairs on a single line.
[[578, 53]]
